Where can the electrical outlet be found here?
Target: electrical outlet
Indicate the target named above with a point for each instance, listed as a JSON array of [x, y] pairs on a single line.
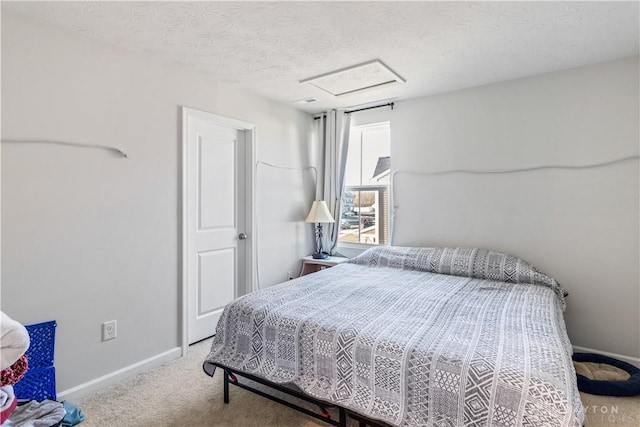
[[290, 274], [109, 330]]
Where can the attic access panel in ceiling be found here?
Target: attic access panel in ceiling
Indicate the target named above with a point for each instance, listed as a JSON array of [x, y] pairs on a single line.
[[370, 75]]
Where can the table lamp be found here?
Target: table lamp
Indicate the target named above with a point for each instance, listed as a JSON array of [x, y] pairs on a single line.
[[319, 214]]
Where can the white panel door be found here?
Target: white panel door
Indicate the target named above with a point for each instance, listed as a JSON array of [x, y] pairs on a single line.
[[215, 220]]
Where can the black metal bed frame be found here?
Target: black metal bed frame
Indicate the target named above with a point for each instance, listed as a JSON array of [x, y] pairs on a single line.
[[230, 376]]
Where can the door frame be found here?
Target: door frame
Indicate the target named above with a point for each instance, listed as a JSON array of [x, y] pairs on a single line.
[[249, 130]]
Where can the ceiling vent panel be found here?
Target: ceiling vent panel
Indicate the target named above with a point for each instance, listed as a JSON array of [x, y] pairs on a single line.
[[347, 81]]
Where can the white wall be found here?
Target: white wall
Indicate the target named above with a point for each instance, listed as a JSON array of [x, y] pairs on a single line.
[[574, 117], [87, 236]]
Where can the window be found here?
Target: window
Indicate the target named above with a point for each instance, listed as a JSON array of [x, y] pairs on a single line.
[[364, 218]]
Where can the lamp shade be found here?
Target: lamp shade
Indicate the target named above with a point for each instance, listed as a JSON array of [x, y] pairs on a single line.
[[319, 213]]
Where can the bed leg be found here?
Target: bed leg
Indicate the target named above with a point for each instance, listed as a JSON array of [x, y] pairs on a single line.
[[343, 417], [226, 386]]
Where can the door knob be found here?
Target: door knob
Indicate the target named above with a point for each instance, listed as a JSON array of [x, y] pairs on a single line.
[[242, 236]]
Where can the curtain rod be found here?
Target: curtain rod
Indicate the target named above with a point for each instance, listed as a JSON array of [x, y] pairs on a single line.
[[388, 104]]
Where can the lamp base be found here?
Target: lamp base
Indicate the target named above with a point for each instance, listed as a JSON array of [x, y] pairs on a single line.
[[320, 255]]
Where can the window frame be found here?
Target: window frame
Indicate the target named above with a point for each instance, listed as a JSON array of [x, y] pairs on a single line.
[[370, 188]]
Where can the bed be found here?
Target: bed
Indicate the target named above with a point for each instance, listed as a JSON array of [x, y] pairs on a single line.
[[413, 336]]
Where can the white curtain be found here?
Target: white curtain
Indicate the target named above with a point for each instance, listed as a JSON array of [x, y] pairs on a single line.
[[333, 143]]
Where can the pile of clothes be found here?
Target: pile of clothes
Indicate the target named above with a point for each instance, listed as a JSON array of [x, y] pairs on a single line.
[[14, 342]]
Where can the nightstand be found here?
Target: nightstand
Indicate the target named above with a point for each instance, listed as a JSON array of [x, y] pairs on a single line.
[[311, 265]]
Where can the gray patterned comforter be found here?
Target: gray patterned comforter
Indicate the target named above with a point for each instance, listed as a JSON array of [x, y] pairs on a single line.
[[414, 337]]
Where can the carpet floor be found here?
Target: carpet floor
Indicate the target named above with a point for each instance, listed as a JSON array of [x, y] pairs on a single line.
[[179, 393]]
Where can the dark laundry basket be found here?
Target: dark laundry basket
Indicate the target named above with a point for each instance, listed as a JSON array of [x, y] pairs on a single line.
[[39, 382]]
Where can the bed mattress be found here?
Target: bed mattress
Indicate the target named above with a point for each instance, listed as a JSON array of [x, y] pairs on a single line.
[[414, 337]]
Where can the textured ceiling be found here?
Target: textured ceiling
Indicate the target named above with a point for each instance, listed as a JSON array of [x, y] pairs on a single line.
[[268, 47]]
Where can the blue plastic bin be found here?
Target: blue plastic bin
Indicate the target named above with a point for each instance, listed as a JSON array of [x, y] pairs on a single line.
[[39, 383]]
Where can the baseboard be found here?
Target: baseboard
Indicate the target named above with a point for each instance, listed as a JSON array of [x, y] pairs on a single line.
[[635, 361], [119, 375]]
